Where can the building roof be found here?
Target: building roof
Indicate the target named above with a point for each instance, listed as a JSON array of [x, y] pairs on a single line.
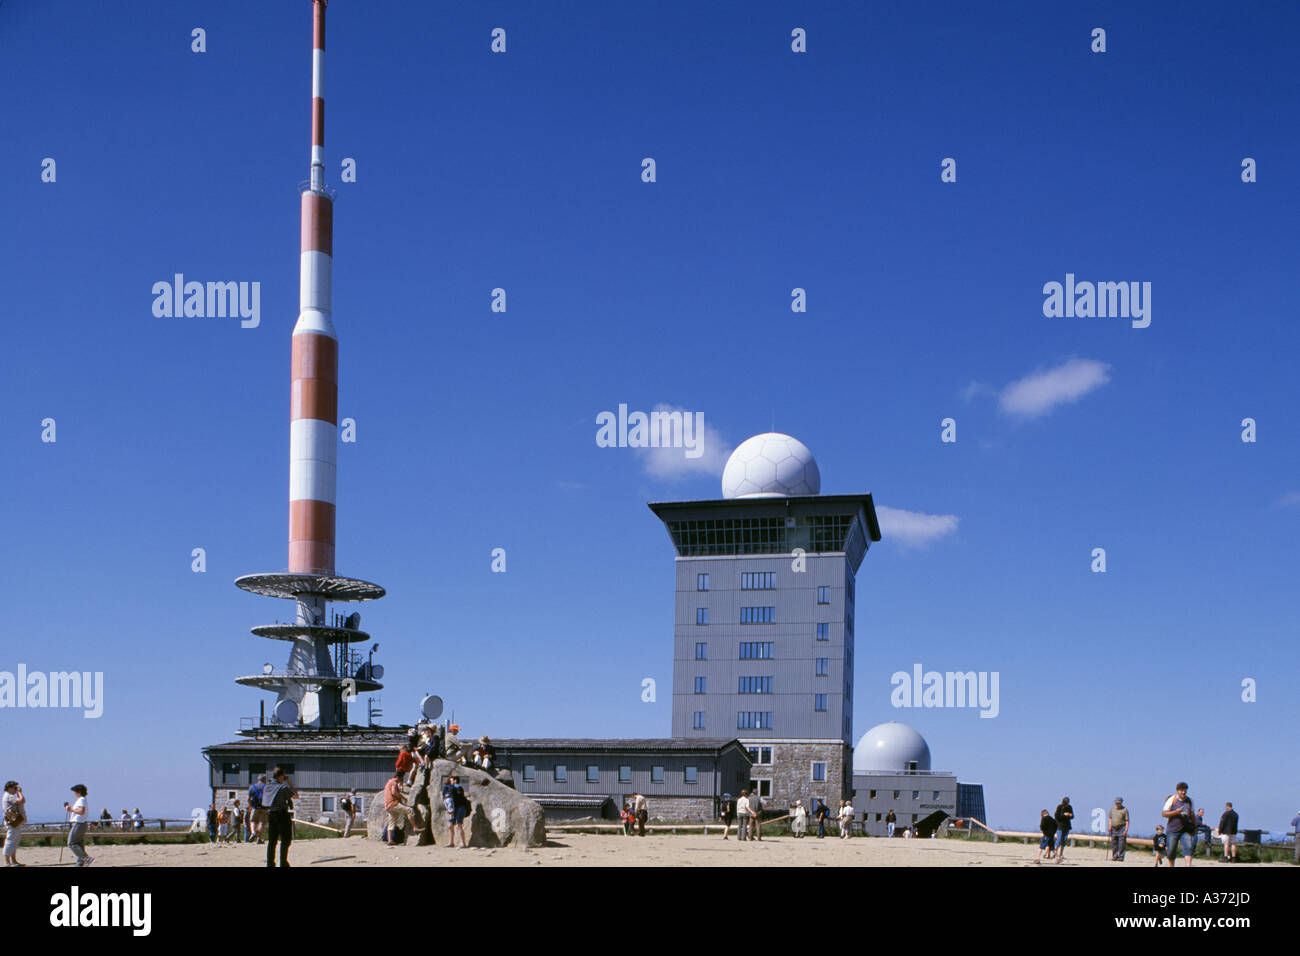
[[616, 745]]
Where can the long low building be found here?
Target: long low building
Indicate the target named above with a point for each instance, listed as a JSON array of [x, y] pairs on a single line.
[[683, 780]]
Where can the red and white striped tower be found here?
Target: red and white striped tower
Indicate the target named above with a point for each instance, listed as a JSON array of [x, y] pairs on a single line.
[[314, 430], [313, 688]]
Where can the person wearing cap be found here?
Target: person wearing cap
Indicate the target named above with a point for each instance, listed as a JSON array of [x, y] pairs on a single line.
[[1181, 823], [255, 807], [799, 818], [15, 815], [1118, 830], [277, 798], [728, 813], [77, 832]]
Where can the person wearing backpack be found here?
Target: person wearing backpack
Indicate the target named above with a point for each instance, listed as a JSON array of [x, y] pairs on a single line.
[[349, 806], [15, 813], [457, 806], [255, 809]]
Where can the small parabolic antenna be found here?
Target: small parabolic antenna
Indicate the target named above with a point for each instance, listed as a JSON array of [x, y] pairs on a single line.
[[267, 668], [377, 671], [431, 707], [286, 712]]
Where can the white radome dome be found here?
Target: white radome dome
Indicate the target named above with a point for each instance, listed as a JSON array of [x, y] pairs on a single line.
[[890, 747], [771, 465]]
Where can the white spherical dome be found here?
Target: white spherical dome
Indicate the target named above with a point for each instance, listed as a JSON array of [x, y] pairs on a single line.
[[771, 465], [890, 747]]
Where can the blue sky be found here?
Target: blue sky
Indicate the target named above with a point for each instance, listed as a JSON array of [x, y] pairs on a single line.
[[476, 429]]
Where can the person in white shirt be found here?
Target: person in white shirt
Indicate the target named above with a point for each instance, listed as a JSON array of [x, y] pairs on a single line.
[[138, 818], [742, 816], [77, 832], [846, 820], [800, 818], [15, 814]]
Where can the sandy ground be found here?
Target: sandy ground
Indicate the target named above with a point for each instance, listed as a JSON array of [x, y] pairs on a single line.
[[576, 849]]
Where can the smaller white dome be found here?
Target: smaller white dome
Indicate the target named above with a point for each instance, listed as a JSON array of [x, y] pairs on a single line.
[[891, 747], [771, 465]]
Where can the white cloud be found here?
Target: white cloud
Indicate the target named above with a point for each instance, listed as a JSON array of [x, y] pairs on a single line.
[[1039, 392], [976, 389], [672, 464], [1290, 500], [913, 528]]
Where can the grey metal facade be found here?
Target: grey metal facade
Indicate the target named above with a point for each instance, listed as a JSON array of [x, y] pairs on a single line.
[[762, 650], [912, 796]]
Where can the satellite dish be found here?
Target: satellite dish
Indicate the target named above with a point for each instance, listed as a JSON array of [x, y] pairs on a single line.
[[286, 712], [377, 671], [431, 707], [353, 621], [267, 668]]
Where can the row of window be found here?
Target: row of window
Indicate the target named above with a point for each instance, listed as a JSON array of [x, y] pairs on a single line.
[[761, 615], [763, 581], [916, 794], [823, 670], [755, 685], [561, 772], [765, 651]]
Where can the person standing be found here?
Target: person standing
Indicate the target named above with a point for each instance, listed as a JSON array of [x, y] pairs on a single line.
[[1064, 817], [1181, 823], [137, 818], [642, 812], [236, 822], [14, 805], [278, 799], [800, 824], [458, 807], [212, 823], [756, 816], [821, 813], [728, 814], [890, 822], [1228, 832], [742, 816], [349, 806], [77, 832], [1047, 825], [255, 807], [846, 820], [1118, 830], [125, 823]]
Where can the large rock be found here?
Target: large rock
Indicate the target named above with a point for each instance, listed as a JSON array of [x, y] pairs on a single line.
[[499, 815]]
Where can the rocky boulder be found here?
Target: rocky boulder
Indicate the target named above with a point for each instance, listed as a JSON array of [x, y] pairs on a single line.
[[499, 814]]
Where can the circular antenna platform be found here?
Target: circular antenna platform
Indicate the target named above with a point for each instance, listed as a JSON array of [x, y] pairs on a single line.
[[328, 635], [431, 707], [286, 712], [279, 680], [294, 586]]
